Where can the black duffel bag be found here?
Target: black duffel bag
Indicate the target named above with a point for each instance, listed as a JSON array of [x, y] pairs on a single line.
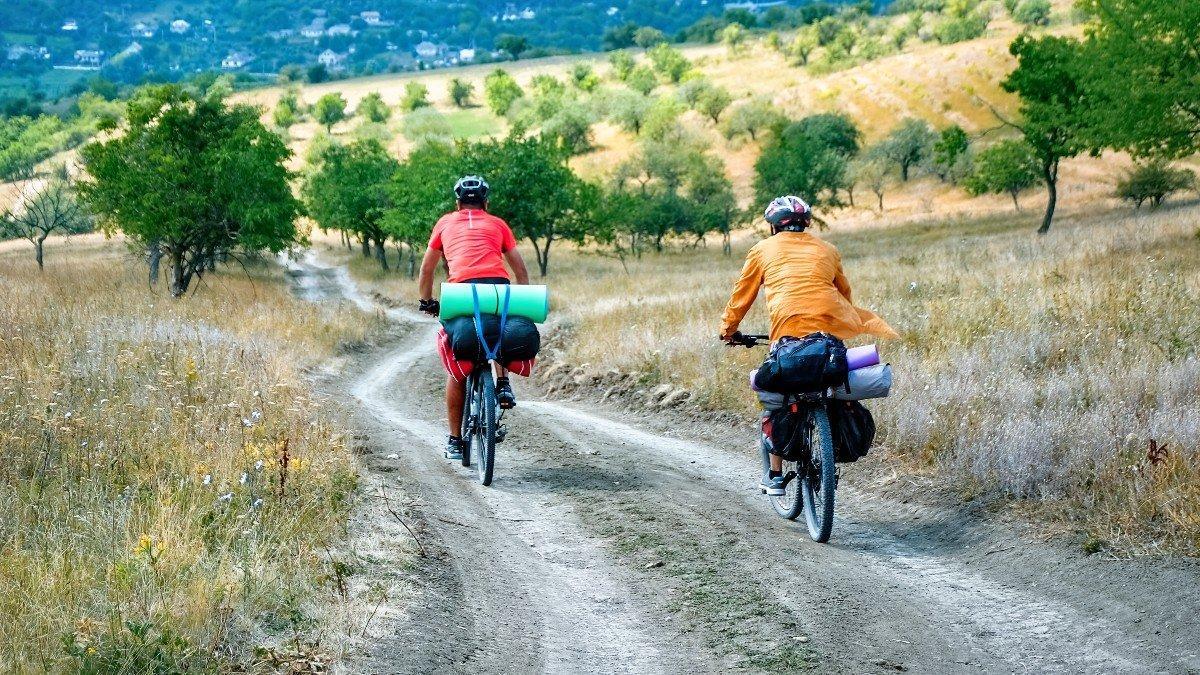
[[853, 430], [521, 338], [804, 365]]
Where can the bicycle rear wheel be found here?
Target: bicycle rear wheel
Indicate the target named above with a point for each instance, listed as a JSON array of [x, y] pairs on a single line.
[[468, 419], [819, 480], [485, 434]]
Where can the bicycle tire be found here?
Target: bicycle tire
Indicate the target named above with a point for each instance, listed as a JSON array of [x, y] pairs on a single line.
[[820, 481], [791, 504], [485, 436], [468, 424]]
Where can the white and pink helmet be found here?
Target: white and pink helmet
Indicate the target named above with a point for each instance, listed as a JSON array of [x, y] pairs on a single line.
[[789, 212]]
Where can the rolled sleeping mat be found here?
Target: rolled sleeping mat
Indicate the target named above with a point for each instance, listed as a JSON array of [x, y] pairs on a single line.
[[864, 383], [531, 302], [862, 357]]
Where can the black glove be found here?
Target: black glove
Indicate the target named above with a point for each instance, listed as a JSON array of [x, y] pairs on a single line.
[[736, 339], [430, 307]]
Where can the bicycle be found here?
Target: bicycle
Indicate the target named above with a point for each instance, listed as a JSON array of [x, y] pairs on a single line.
[[810, 474], [482, 420]]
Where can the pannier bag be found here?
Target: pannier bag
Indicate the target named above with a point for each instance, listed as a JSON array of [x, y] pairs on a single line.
[[521, 340], [865, 383], [459, 369], [853, 430], [784, 430], [803, 365]]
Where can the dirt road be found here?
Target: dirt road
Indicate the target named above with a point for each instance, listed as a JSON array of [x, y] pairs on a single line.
[[604, 546]]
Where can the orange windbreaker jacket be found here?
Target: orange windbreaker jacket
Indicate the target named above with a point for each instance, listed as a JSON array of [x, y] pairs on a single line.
[[807, 292]]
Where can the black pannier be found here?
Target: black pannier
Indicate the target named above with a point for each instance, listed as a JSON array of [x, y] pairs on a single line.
[[521, 338], [788, 433], [853, 430], [804, 365]]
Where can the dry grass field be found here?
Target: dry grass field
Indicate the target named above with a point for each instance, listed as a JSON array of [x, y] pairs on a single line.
[[171, 487]]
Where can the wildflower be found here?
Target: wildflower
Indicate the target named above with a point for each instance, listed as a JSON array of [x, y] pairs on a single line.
[[144, 546], [208, 479], [257, 503], [245, 478], [227, 497], [258, 466]]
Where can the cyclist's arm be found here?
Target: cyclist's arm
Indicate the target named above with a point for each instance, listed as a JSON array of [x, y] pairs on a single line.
[[517, 264], [744, 293], [428, 265]]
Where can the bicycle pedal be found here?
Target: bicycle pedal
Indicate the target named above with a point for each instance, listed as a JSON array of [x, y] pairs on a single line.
[[501, 432]]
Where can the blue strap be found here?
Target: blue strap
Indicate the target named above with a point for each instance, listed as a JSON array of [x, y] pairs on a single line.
[[491, 353]]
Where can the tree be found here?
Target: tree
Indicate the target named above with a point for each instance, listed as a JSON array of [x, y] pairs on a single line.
[[628, 110], [734, 37], [571, 128], [798, 163], [194, 178], [712, 102], [961, 28], [669, 62], [416, 95], [642, 80], [329, 110], [752, 118], [584, 77], [426, 125], [692, 87], [49, 210], [647, 37], [1140, 64], [514, 45], [1054, 105], [619, 37], [286, 111], [461, 92], [950, 151], [1008, 166], [1032, 12], [662, 119], [908, 145], [348, 192], [317, 74], [803, 45], [501, 91], [1154, 181], [622, 64], [373, 108], [833, 130], [419, 194], [872, 173]]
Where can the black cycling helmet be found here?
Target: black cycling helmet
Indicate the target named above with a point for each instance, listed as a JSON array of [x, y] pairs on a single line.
[[471, 190]]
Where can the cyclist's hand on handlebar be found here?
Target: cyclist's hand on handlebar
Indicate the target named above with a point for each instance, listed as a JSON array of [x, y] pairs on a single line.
[[430, 307], [734, 339]]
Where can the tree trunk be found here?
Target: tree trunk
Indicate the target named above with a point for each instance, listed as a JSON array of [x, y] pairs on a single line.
[[381, 254], [1050, 175], [542, 254], [155, 258], [850, 194], [880, 195], [1015, 203], [39, 247], [412, 261], [726, 244], [904, 171], [366, 247], [181, 276]]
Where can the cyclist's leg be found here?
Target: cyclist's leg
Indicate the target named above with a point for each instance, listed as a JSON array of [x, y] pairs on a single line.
[[456, 393], [504, 393]]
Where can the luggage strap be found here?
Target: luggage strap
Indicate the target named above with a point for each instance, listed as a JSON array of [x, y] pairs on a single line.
[[491, 353]]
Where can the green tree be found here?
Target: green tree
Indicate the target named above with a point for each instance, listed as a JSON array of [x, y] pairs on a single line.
[[803, 45], [1141, 59], [1008, 166], [1032, 12], [909, 144], [416, 95], [619, 37], [461, 92], [419, 193], [571, 128], [622, 64], [642, 80], [427, 125], [796, 163], [348, 192], [373, 108], [949, 152], [662, 119], [329, 110], [1153, 181], [38, 213], [833, 130], [752, 118], [1054, 105], [194, 178], [647, 37], [501, 91], [584, 77], [872, 173], [962, 28], [287, 110], [734, 37], [713, 102], [628, 109], [513, 45], [669, 62]]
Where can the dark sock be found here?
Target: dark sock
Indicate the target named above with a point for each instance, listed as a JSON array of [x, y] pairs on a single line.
[[501, 381], [774, 474], [456, 439]]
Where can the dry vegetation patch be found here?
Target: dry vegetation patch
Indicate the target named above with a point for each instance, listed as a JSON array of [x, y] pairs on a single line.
[[170, 486]]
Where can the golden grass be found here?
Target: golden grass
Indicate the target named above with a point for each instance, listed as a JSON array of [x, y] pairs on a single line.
[[170, 483]]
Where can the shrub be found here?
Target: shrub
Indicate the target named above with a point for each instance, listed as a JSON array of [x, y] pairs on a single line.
[[1008, 166], [961, 29], [1032, 12], [416, 95], [1153, 181], [501, 90]]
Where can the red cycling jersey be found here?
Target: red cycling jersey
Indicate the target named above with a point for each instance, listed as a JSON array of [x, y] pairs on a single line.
[[473, 242]]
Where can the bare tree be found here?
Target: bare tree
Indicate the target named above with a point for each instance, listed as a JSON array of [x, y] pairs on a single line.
[[42, 210]]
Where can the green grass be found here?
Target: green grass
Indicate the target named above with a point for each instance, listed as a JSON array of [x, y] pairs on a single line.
[[474, 123]]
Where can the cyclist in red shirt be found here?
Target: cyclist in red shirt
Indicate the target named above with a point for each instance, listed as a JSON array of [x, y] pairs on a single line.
[[475, 245]]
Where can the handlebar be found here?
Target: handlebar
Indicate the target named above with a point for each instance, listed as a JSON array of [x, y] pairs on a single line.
[[740, 340]]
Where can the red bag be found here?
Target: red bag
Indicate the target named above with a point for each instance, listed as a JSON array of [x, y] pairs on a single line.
[[459, 369]]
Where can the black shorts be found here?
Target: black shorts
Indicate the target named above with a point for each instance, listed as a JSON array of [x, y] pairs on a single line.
[[486, 280]]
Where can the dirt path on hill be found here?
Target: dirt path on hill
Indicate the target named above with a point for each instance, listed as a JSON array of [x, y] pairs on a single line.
[[606, 547]]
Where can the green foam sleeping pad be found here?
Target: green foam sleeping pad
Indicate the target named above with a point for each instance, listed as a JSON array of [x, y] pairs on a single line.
[[531, 302]]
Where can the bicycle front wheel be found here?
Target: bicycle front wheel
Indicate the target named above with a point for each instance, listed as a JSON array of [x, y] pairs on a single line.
[[820, 477], [468, 419], [485, 434]]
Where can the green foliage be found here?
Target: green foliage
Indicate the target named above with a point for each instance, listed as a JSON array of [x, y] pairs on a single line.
[[426, 125], [1140, 60], [828, 29], [908, 145], [628, 109], [712, 102], [798, 163], [1032, 12], [501, 91], [584, 77], [619, 37], [223, 170], [961, 28], [734, 37], [669, 62], [622, 64], [833, 130], [514, 45], [950, 152], [348, 191], [416, 95], [25, 141], [571, 128], [461, 92], [1008, 166], [1153, 181], [373, 108], [329, 110], [287, 109], [647, 37], [642, 80], [751, 119], [803, 45], [419, 193], [137, 647], [662, 119]]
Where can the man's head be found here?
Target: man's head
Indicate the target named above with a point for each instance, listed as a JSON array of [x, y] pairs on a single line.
[[471, 192], [788, 214]]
